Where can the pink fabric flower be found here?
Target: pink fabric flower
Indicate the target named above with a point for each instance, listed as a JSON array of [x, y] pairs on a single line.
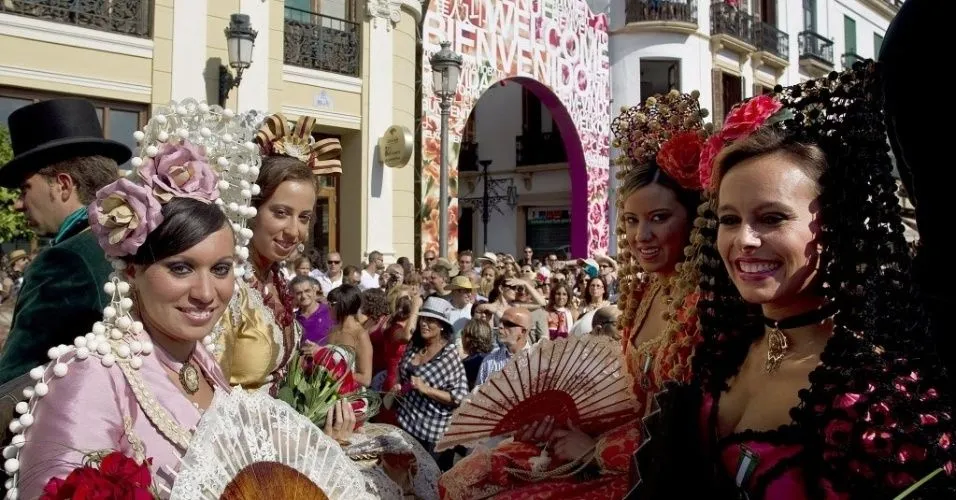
[[122, 215], [748, 116], [180, 170], [705, 170], [743, 120]]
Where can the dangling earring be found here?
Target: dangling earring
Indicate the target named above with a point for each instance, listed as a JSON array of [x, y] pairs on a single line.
[[301, 247]]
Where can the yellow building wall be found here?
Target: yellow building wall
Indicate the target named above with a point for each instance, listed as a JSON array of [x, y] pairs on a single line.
[[276, 38], [162, 71], [403, 113], [148, 80], [353, 205], [53, 60]]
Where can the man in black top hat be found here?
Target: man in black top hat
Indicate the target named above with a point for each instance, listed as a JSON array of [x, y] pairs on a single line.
[[60, 160]]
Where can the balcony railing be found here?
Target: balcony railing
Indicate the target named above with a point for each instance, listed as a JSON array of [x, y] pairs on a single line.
[[849, 59], [320, 42], [639, 11], [468, 157], [772, 40], [814, 46], [539, 149], [126, 17], [725, 19]]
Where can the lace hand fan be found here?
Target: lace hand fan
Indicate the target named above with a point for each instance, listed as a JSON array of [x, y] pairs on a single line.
[[257, 440], [579, 381]]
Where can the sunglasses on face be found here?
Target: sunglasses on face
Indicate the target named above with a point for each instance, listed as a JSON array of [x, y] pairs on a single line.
[[510, 324], [331, 262]]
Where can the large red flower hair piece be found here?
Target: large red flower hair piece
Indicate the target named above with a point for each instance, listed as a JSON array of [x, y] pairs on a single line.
[[667, 129], [744, 119]]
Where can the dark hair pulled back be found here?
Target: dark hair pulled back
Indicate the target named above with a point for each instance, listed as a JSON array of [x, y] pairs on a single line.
[[186, 222]]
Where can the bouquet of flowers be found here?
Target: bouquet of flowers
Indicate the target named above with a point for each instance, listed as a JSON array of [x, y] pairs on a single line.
[[109, 476], [314, 383]]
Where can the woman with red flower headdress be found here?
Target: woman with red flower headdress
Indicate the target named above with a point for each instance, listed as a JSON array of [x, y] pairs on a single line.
[[658, 199], [816, 377]]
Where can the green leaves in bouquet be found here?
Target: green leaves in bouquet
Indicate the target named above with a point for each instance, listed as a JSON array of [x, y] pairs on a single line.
[[311, 395]]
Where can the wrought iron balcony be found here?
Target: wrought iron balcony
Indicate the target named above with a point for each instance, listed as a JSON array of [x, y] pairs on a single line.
[[772, 40], [126, 17], [725, 19], [849, 59], [814, 46], [539, 149], [468, 157], [320, 42], [682, 11]]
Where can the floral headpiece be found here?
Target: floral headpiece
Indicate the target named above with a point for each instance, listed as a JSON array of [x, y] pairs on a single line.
[[668, 129], [276, 138], [187, 150], [742, 120]]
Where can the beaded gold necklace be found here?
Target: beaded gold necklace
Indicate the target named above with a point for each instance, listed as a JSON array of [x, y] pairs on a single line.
[[647, 349]]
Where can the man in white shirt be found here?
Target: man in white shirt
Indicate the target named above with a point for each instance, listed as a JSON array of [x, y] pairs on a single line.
[[513, 335], [331, 279], [370, 275], [461, 300]]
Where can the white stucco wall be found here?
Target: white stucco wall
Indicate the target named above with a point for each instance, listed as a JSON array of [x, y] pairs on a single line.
[[698, 59]]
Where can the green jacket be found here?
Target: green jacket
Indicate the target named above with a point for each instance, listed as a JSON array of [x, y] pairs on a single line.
[[60, 299]]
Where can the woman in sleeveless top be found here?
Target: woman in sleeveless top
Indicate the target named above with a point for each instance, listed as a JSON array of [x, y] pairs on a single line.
[[349, 333]]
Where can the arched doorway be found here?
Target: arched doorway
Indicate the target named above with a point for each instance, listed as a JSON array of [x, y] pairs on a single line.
[[518, 165], [556, 50]]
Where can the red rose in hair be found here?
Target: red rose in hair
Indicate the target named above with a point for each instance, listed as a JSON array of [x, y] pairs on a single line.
[[680, 158], [748, 116]]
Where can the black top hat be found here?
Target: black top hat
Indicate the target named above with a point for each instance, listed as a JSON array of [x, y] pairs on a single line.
[[52, 131]]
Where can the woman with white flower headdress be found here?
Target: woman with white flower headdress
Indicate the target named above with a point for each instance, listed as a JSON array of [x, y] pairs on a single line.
[[137, 384]]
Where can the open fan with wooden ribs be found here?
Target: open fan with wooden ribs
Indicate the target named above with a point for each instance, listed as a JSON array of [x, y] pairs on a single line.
[[249, 442], [579, 381]]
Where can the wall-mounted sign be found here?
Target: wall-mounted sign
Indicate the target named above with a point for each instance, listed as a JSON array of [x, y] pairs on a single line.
[[396, 146], [322, 100]]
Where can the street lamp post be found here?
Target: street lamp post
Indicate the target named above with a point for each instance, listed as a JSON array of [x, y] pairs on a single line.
[[485, 213], [240, 38], [491, 197], [446, 66]]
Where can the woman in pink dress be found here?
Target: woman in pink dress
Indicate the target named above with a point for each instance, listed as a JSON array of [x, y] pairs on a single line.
[[139, 382]]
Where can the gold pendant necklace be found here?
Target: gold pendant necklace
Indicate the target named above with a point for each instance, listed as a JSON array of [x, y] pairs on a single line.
[[777, 342], [776, 349], [189, 378]]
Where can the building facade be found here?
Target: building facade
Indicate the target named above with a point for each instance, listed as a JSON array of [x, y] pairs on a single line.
[[733, 49], [533, 103], [349, 63], [728, 50]]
